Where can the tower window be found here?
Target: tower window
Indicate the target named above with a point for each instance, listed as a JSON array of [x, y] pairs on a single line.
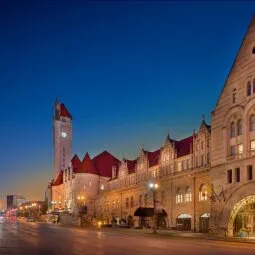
[[234, 96], [248, 88], [253, 51], [232, 130]]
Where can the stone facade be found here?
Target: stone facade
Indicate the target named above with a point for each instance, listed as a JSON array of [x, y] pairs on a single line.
[[232, 162], [205, 181]]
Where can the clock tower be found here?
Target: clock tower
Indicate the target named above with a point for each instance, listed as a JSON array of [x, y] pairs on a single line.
[[62, 137]]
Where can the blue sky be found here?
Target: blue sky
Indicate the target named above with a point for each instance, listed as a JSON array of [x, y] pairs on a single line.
[[127, 71]]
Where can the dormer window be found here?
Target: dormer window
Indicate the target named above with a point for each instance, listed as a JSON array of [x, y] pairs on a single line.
[[113, 172]]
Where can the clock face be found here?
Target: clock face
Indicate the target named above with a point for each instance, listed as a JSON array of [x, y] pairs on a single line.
[[64, 134]]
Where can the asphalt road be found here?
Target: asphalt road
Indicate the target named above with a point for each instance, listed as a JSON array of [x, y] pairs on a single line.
[[37, 238]]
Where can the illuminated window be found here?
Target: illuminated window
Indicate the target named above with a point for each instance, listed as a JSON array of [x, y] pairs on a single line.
[[203, 193], [240, 148], [188, 194], [179, 166], [253, 145], [179, 196]]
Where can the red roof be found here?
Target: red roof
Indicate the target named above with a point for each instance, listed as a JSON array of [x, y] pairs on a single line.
[[131, 165], [153, 157], [59, 179], [104, 163], [183, 146], [64, 112], [87, 166], [75, 163]]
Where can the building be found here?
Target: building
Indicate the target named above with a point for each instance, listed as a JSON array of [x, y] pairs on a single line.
[[14, 201], [205, 181]]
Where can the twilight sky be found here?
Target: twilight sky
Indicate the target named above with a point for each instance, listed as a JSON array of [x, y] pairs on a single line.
[[128, 72]]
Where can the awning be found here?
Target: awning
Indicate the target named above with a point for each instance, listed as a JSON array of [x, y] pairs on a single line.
[[148, 212]]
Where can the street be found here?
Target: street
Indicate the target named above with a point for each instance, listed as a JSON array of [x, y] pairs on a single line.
[[41, 238]]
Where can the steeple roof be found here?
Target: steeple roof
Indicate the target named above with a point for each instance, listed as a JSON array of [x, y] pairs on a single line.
[[87, 165], [64, 112], [76, 162]]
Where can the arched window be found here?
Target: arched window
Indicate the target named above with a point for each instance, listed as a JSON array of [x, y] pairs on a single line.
[[248, 88], [252, 122], [232, 130], [188, 194], [239, 127], [127, 203], [203, 193], [253, 51], [253, 86], [179, 196], [145, 199], [163, 198], [132, 202]]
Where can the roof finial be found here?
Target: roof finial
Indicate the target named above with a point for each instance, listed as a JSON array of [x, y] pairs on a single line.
[[203, 117]]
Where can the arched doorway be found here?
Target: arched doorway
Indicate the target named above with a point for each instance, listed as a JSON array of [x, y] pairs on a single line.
[[183, 222], [204, 223], [242, 217]]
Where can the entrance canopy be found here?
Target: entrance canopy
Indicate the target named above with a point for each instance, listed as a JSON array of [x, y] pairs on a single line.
[[184, 216], [148, 212]]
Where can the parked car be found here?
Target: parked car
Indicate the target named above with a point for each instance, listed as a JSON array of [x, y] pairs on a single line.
[[30, 219]]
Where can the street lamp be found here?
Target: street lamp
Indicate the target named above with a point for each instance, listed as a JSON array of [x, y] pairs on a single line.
[[153, 187]]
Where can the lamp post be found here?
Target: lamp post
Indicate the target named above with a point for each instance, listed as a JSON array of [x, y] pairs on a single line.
[[81, 201], [153, 187]]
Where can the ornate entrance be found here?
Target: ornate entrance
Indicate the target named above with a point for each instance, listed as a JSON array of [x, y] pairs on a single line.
[[242, 218]]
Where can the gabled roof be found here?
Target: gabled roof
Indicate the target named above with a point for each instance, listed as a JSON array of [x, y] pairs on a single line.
[[131, 165], [75, 163], [183, 146], [59, 180], [87, 165], [204, 126], [242, 51], [153, 157], [104, 163], [64, 112]]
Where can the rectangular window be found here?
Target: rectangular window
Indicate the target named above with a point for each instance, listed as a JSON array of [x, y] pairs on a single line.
[[229, 176], [252, 145], [187, 163], [208, 158], [178, 198], [179, 166], [232, 150], [240, 149], [234, 96], [188, 197], [196, 161], [202, 145], [237, 174], [249, 173], [202, 160]]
